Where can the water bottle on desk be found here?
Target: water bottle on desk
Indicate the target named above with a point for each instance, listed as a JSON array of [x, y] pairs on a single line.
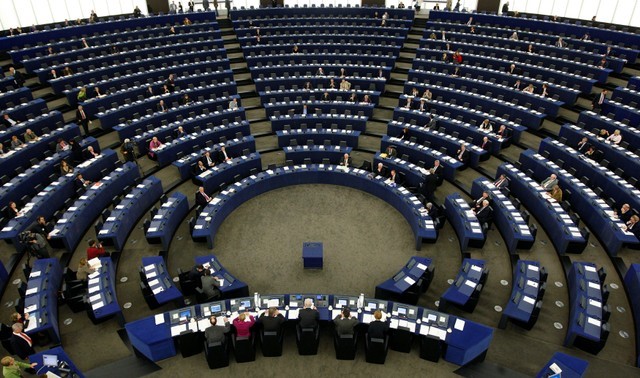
[[360, 302], [256, 300]]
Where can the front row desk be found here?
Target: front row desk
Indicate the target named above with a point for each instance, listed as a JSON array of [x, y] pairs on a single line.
[[457, 340]]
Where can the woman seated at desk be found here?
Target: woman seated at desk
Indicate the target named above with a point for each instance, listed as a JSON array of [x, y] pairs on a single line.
[[65, 168], [154, 145], [243, 324], [556, 193], [12, 210]]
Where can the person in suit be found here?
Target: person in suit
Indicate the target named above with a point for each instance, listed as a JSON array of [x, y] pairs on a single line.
[[222, 155], [171, 83], [598, 100], [196, 273], [344, 323], [308, 317], [378, 328], [556, 193], [243, 324], [12, 368], [633, 226], [18, 78], [186, 100], [486, 144], [149, 92], [127, 150], [21, 342], [513, 70], [42, 227], [8, 121], [12, 210], [137, 13], [82, 119], [345, 161], [462, 154], [502, 132], [53, 75], [625, 213], [67, 71], [191, 5], [161, 107], [200, 168], [429, 186], [501, 182], [80, 182], [477, 203], [202, 199], [391, 152], [394, 178], [227, 5], [2, 150], [15, 142], [438, 171], [180, 133], [583, 145], [379, 170], [433, 210], [153, 146], [484, 214], [215, 334], [210, 285], [548, 183], [207, 160], [90, 153], [271, 320], [30, 136]]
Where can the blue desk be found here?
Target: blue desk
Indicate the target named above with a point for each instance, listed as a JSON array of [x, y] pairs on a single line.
[[465, 342], [73, 224], [319, 58], [464, 222], [147, 107], [53, 197], [419, 153], [121, 221], [229, 172], [629, 134], [465, 290], [438, 140], [42, 173], [318, 136], [365, 82], [622, 112], [417, 273], [16, 96], [594, 211], [632, 286], [617, 156], [186, 166], [565, 94], [338, 47], [366, 37], [101, 293], [220, 207], [566, 79], [414, 175], [526, 296], [613, 185], [310, 20], [27, 110], [159, 280], [530, 118], [315, 154], [572, 367], [166, 222], [322, 121], [301, 94], [231, 287], [562, 231], [41, 300], [500, 91], [36, 149], [515, 231], [312, 255], [39, 124], [322, 11], [327, 107], [331, 70], [62, 357]]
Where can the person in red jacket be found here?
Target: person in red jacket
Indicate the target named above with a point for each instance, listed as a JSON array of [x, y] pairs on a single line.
[[95, 250], [242, 325]]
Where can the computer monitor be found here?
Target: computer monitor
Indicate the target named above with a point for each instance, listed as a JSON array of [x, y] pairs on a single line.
[[405, 311], [340, 301], [182, 315], [272, 301], [50, 360], [245, 304], [375, 304], [402, 311], [216, 308]]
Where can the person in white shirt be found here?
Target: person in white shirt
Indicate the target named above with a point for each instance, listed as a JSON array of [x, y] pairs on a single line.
[[615, 138], [514, 36], [233, 104], [486, 125]]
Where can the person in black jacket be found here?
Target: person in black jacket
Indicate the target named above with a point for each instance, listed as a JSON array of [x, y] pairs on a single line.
[[18, 79], [271, 320], [378, 328], [309, 316], [21, 342], [202, 199]]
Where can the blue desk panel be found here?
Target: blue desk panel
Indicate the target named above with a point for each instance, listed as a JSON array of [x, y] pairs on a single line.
[[159, 280], [464, 222], [231, 287], [632, 286], [101, 293], [318, 136], [327, 107], [62, 356], [41, 300], [226, 172], [235, 147], [322, 121], [316, 154], [166, 222]]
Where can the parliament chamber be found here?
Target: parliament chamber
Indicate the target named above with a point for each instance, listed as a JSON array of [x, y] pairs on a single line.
[[467, 181]]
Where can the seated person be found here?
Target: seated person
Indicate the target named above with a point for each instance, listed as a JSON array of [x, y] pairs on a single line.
[[162, 107], [30, 136], [379, 170], [200, 168], [462, 154], [502, 132], [394, 178], [233, 104], [633, 226], [345, 161], [486, 125], [583, 145], [180, 133], [271, 320], [2, 150], [90, 153], [590, 152], [80, 182], [501, 182], [222, 155], [308, 317], [615, 138], [202, 199], [390, 152], [548, 183], [210, 285], [215, 334], [243, 324], [96, 249], [344, 323], [404, 134], [15, 142], [484, 214], [12, 210], [434, 212], [476, 204], [486, 144], [42, 227], [84, 270], [208, 160], [186, 100], [378, 328], [8, 121], [154, 145], [61, 145], [13, 368], [625, 213], [556, 193]]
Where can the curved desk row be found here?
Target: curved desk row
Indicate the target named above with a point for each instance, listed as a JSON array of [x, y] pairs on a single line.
[[329, 36], [156, 283], [464, 340], [121, 221], [409, 283], [407, 204], [438, 140], [632, 286], [622, 111], [230, 286], [233, 145], [593, 210], [465, 290], [525, 301], [418, 153], [15, 96], [318, 136], [322, 121], [39, 124], [307, 48], [339, 105], [27, 110], [366, 82], [65, 365], [303, 94], [411, 175], [464, 222], [315, 154], [229, 172], [314, 59], [598, 176], [321, 11], [41, 298], [517, 234], [561, 229], [54, 196], [354, 24], [42, 173], [71, 227], [101, 293], [629, 134], [312, 20], [165, 223], [331, 69]]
